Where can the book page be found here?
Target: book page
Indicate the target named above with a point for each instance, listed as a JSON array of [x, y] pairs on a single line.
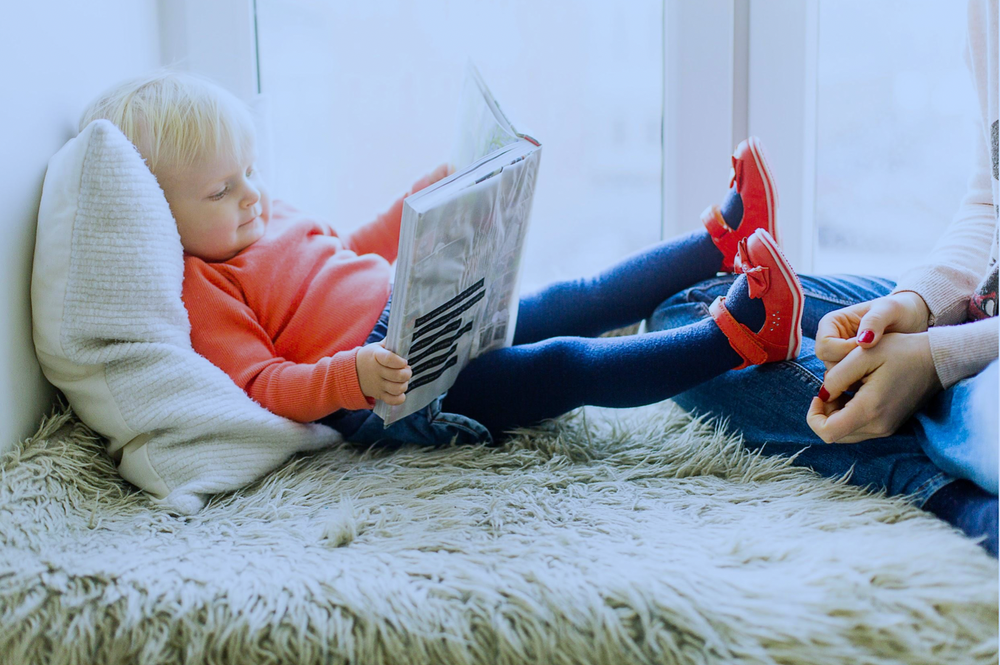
[[481, 128]]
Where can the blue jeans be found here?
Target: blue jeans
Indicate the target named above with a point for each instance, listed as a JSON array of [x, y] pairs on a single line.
[[768, 403], [960, 429]]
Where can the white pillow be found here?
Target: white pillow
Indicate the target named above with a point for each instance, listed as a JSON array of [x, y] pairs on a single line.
[[111, 332]]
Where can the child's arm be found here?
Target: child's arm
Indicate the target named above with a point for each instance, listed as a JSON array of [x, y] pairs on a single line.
[[382, 235], [226, 332]]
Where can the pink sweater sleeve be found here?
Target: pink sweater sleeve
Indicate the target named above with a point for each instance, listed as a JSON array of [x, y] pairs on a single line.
[[239, 345], [382, 235]]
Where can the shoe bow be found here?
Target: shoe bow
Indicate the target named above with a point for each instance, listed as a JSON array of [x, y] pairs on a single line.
[[758, 277], [758, 280], [735, 172]]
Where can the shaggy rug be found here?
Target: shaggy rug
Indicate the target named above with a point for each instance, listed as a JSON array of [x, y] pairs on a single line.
[[604, 537]]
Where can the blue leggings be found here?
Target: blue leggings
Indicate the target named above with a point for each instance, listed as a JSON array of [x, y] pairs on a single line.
[[557, 363]]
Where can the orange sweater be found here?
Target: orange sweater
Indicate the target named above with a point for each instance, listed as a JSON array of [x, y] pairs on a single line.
[[285, 317]]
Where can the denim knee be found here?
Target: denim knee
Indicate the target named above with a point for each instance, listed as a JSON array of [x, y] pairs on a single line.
[[959, 427], [690, 305]]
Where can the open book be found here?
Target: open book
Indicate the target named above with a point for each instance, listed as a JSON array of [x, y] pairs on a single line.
[[456, 288]]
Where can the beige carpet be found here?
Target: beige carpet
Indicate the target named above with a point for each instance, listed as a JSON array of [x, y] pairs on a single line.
[[629, 537]]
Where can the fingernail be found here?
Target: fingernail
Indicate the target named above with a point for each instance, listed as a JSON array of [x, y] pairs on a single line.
[[866, 337], [824, 394]]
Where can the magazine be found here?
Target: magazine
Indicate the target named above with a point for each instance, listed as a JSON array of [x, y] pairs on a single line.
[[455, 293]]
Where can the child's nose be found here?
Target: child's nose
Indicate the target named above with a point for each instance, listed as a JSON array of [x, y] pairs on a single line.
[[251, 197]]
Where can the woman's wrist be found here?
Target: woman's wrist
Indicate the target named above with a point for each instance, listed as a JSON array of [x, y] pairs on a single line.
[[917, 313]]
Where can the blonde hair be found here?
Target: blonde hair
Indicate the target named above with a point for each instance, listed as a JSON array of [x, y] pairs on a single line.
[[176, 119]]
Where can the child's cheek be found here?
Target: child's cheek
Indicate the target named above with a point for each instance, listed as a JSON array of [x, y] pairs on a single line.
[[265, 207]]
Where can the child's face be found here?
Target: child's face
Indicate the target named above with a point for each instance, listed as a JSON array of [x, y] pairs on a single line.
[[221, 207]]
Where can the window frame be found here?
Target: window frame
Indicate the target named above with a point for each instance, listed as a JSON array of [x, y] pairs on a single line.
[[783, 40], [191, 41], [734, 68]]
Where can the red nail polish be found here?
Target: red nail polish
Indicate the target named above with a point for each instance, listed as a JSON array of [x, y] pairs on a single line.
[[824, 394], [866, 337]]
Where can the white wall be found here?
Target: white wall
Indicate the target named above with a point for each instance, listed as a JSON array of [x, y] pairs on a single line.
[[54, 58]]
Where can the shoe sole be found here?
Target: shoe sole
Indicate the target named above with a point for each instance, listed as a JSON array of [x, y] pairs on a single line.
[[788, 274], [770, 192]]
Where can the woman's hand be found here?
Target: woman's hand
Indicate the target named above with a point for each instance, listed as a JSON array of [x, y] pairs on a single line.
[[382, 374], [895, 378], [440, 172], [864, 324]]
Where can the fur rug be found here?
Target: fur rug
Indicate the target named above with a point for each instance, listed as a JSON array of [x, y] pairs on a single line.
[[604, 537]]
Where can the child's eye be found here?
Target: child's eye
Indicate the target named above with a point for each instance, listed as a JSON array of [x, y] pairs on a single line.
[[249, 171], [218, 197]]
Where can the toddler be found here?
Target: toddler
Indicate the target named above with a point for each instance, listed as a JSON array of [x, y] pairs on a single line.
[[294, 312]]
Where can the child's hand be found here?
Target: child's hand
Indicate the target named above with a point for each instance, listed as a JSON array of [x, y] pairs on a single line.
[[382, 374], [864, 324], [440, 172], [895, 378]]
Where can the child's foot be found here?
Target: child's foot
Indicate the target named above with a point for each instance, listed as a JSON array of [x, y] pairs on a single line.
[[751, 204], [768, 277]]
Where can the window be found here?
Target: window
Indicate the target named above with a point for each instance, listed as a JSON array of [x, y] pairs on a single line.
[[870, 109], [363, 97], [895, 131], [865, 108]]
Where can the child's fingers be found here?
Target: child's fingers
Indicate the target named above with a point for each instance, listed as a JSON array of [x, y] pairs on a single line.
[[395, 388], [836, 330], [387, 358], [392, 400], [397, 376], [842, 323]]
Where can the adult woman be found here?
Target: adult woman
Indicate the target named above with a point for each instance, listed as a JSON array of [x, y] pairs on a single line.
[[924, 347]]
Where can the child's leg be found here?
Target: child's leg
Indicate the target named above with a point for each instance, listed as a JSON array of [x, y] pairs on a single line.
[[630, 290], [767, 404], [619, 296], [524, 384]]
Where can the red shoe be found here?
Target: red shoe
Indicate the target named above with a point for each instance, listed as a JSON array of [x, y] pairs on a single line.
[[769, 277], [755, 185]]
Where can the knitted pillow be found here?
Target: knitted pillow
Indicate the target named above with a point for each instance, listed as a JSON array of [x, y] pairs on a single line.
[[111, 332]]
